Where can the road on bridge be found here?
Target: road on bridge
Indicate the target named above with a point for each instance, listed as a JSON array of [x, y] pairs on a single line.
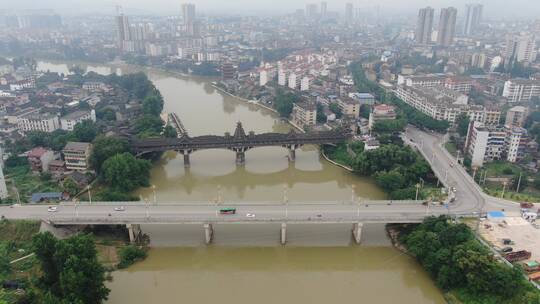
[[339, 212]]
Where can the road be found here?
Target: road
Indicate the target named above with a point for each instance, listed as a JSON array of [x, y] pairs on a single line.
[[469, 196], [137, 213]]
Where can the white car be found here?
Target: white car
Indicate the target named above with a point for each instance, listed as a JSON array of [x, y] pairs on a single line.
[[52, 209], [250, 215], [121, 208]]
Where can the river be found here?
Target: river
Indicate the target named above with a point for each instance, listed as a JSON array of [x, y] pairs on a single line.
[[246, 264]]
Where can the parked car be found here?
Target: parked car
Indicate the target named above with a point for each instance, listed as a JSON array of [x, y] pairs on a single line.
[[507, 249], [52, 209]]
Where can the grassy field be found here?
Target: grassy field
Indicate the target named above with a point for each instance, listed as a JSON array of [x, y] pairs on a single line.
[[451, 148], [18, 232], [339, 154], [28, 183], [500, 168]]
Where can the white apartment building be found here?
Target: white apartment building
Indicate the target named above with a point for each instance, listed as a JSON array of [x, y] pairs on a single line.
[[304, 84], [282, 78], [263, 78], [516, 143], [519, 89], [38, 122], [422, 81], [304, 114], [69, 121], [520, 47], [294, 81], [485, 144]]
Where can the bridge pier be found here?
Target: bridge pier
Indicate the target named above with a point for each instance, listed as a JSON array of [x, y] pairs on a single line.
[[186, 154], [208, 233], [357, 232], [134, 232], [240, 157], [283, 235]]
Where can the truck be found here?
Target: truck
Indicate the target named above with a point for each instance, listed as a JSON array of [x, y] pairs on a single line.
[[517, 256], [526, 205]]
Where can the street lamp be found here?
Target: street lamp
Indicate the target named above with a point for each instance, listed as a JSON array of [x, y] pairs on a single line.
[[218, 194], [417, 187], [352, 193], [504, 188], [286, 201], [154, 191], [147, 208]]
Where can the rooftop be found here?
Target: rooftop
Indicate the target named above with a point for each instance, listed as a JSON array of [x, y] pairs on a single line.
[[76, 115], [76, 146]]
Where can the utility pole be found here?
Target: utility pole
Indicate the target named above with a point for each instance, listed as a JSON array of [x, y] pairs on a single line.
[[519, 182], [154, 191], [474, 172], [504, 188], [219, 194], [89, 195], [417, 187], [352, 193]]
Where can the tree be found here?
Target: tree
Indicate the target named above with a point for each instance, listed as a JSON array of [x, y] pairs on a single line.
[[169, 132], [118, 167], [334, 107], [85, 131], [321, 117], [129, 255], [105, 147], [70, 186], [521, 180], [153, 105], [284, 102], [463, 124], [389, 125], [391, 180], [148, 124], [71, 272]]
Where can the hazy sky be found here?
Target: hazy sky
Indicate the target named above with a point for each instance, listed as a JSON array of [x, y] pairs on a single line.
[[500, 8]]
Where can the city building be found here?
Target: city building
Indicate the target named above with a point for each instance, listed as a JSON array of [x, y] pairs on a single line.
[[311, 10], [76, 155], [188, 16], [460, 84], [123, 30], [424, 26], [516, 143], [45, 122], [521, 48], [515, 117], [447, 26], [484, 144], [39, 159], [69, 121], [421, 80], [381, 112], [349, 12], [441, 103], [520, 89], [349, 107], [363, 98], [473, 19], [304, 114], [324, 9], [228, 71]]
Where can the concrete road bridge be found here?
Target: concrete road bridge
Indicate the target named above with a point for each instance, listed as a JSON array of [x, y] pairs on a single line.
[[239, 142], [133, 214]]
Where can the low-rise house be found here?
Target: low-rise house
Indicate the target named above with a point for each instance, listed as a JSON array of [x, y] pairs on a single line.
[[39, 159], [76, 156], [381, 112]]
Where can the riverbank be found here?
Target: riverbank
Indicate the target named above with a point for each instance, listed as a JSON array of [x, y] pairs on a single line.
[[460, 264]]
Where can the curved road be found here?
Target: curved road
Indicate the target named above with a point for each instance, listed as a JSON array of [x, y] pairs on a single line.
[[469, 196]]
